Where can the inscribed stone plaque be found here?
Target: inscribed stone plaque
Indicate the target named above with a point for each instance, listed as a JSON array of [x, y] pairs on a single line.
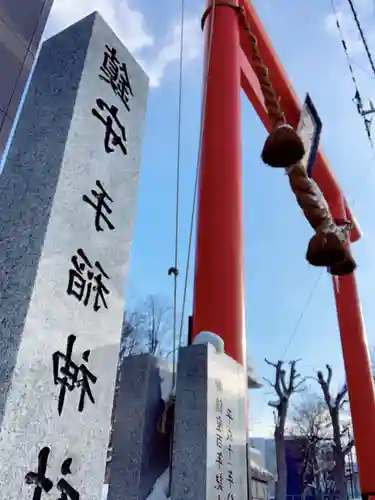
[[210, 438], [226, 430], [67, 198]]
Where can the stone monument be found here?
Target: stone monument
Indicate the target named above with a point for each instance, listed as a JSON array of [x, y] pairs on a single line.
[[210, 431], [67, 198], [139, 447]]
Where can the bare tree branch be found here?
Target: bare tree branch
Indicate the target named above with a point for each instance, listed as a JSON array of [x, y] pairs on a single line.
[[324, 384], [292, 375], [348, 447], [277, 384], [274, 404], [147, 328], [301, 383], [345, 428], [329, 379], [341, 395], [283, 382], [270, 363], [285, 386], [309, 421], [269, 382], [334, 405]]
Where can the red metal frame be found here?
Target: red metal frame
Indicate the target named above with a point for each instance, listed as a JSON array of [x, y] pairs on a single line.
[[288, 100], [218, 288]]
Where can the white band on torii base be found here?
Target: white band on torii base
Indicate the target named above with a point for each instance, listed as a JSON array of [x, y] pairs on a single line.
[[212, 339]]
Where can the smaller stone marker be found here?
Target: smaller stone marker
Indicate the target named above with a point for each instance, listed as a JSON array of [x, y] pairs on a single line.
[[210, 433], [140, 453]]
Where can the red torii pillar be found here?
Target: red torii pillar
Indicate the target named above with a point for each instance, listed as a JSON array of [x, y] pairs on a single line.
[[218, 304]]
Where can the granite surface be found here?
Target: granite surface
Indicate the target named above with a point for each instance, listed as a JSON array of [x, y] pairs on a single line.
[[57, 157], [139, 452], [210, 432], [189, 475]]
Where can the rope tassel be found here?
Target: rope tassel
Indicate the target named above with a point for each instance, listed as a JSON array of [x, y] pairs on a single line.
[[328, 247], [283, 147]]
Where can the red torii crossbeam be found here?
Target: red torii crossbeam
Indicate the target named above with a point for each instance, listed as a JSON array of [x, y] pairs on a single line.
[[218, 304]]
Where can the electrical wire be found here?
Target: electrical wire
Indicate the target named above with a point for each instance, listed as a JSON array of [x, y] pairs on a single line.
[[363, 38], [174, 270], [316, 283], [303, 312], [357, 98], [359, 66], [205, 83], [338, 25], [187, 269]]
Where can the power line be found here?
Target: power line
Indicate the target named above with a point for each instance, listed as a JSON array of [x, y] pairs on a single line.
[[316, 283], [359, 66], [369, 56], [358, 101], [174, 270], [360, 109], [367, 124], [303, 312]]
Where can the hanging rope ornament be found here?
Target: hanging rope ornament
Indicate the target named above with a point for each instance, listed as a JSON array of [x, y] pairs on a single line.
[[284, 148], [328, 247]]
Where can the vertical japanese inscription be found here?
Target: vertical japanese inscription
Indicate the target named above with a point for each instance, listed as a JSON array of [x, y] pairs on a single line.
[[71, 376], [224, 473], [219, 476], [84, 280], [229, 449], [116, 74], [42, 484], [100, 205], [115, 134], [87, 279]]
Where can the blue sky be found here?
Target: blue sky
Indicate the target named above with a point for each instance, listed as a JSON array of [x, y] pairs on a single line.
[[277, 278]]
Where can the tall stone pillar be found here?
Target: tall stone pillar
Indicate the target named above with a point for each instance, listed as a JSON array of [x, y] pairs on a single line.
[[67, 198]]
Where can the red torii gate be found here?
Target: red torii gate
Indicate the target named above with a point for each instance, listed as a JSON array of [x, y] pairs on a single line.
[[218, 288]]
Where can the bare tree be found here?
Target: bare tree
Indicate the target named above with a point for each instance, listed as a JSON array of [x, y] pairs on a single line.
[[284, 387], [311, 422], [146, 328], [132, 336], [157, 323], [335, 403]]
